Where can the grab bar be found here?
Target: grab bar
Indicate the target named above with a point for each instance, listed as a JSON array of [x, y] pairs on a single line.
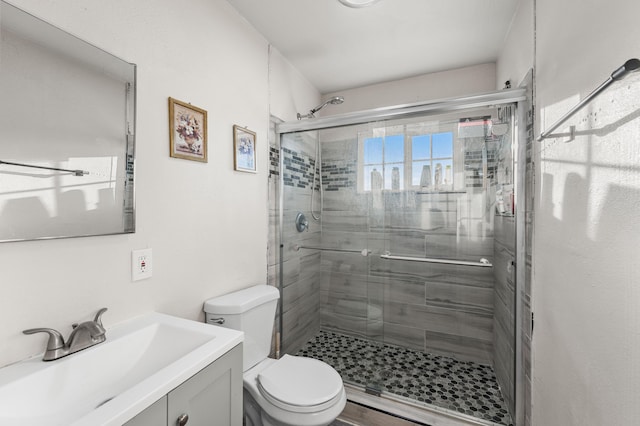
[[482, 263], [618, 74], [363, 252]]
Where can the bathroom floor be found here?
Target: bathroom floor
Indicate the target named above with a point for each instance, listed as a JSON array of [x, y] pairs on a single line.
[[357, 415], [463, 387]]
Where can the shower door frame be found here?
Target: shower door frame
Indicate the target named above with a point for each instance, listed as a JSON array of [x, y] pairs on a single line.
[[518, 97]]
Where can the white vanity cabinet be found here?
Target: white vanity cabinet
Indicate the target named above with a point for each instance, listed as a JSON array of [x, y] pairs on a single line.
[[212, 397]]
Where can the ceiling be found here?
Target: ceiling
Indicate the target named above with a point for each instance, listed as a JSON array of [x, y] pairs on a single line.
[[336, 47]]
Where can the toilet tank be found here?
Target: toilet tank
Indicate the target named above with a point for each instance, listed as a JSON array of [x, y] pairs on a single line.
[[252, 311]]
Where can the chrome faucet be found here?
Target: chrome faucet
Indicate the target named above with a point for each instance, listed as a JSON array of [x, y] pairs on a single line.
[[84, 335]]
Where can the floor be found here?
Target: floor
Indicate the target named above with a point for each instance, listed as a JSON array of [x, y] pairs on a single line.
[[462, 387], [358, 415]]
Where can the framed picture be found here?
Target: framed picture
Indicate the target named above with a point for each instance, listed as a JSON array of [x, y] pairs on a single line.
[[187, 131], [244, 149]]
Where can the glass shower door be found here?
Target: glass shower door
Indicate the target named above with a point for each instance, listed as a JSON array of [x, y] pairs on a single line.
[[412, 213]]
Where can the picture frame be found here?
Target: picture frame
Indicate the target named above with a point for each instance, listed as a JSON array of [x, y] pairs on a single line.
[[187, 131], [244, 149]]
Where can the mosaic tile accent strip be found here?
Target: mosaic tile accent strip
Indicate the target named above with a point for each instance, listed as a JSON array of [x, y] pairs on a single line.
[[274, 161], [298, 169], [463, 387], [337, 176]]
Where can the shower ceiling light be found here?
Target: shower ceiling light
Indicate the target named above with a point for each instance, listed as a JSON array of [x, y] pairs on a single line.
[[358, 3]]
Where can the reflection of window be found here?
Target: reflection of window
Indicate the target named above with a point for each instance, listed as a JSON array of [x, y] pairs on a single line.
[[432, 161], [399, 162], [384, 162]]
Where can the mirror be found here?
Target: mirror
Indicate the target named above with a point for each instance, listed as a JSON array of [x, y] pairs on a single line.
[[67, 134]]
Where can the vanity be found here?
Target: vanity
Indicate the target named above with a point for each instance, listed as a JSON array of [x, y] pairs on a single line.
[[213, 393], [154, 369]]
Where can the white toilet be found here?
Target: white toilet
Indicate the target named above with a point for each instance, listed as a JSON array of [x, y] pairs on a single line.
[[290, 391]]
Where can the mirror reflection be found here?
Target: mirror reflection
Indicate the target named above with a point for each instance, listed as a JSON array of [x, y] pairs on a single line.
[[67, 120]]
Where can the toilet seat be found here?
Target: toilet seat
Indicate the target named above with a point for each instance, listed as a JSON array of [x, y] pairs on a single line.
[[300, 385]]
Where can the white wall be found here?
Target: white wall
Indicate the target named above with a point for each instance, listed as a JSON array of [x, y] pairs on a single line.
[[586, 342], [440, 85], [290, 92], [517, 53], [206, 223]]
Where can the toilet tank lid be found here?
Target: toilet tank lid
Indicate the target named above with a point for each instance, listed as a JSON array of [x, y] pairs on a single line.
[[242, 300]]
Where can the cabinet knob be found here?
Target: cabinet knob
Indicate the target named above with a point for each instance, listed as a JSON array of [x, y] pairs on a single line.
[[182, 420]]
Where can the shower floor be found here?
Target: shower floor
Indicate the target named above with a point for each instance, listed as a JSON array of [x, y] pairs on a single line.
[[463, 387]]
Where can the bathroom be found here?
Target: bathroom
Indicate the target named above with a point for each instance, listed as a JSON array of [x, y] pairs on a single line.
[[208, 225]]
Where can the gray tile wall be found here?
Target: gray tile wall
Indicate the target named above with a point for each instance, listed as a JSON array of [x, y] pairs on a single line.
[[443, 309], [301, 281], [504, 322], [504, 275], [504, 272], [527, 322]]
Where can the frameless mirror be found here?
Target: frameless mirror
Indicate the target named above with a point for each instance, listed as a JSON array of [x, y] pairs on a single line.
[[67, 133]]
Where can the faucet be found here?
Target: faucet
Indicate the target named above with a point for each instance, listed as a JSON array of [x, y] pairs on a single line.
[[84, 335]]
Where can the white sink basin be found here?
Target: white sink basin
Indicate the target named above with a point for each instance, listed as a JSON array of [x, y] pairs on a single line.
[[142, 360]]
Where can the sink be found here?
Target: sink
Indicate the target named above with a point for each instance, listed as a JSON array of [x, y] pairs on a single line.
[[142, 360]]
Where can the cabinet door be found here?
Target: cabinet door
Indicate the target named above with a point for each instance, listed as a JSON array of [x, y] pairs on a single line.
[[154, 415], [212, 397]]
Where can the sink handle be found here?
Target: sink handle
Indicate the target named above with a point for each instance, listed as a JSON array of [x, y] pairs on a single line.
[[98, 318], [182, 420], [56, 341]]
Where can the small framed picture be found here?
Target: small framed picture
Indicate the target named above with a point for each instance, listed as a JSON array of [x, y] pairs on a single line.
[[187, 131], [244, 149]]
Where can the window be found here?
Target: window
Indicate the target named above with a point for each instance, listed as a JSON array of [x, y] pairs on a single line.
[[402, 161]]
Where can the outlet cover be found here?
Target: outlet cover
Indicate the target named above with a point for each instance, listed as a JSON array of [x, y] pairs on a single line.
[[141, 264]]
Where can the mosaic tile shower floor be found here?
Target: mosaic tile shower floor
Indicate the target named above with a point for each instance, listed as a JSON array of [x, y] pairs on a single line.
[[463, 387]]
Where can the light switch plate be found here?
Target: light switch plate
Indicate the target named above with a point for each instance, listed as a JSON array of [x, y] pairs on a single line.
[[141, 264]]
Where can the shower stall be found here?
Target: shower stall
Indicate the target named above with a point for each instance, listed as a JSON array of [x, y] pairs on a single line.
[[394, 241]]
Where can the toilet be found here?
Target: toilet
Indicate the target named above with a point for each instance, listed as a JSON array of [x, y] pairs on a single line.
[[290, 391]]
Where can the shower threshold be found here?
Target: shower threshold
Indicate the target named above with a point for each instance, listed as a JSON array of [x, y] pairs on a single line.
[[416, 385]]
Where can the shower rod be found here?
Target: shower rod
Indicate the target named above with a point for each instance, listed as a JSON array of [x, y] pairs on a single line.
[[363, 252], [482, 263]]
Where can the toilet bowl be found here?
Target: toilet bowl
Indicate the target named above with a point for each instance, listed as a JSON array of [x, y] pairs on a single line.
[[290, 391], [295, 391]]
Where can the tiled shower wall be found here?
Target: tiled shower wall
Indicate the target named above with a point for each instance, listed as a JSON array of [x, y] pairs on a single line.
[[505, 288], [443, 309], [504, 249], [525, 301], [300, 279], [504, 271]]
